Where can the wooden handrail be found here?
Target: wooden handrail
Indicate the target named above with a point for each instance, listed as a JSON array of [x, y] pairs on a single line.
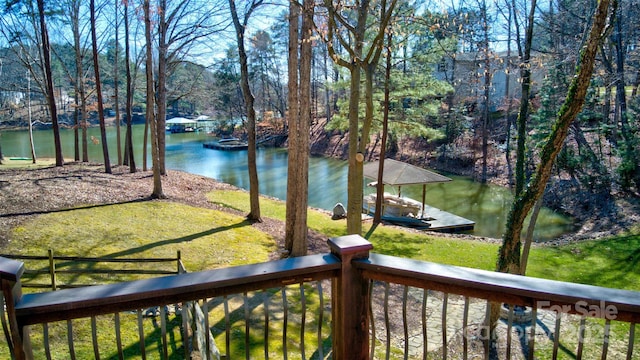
[[105, 299], [500, 287]]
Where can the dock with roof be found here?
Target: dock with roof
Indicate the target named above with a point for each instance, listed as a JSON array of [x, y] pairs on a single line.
[[406, 211]]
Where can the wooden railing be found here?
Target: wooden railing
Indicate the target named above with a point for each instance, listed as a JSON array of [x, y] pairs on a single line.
[[380, 305], [53, 266]]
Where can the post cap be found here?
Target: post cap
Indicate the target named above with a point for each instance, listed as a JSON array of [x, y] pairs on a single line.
[[350, 245]]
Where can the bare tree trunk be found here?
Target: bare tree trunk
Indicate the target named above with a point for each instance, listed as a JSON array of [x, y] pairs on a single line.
[[294, 122], [487, 93], [300, 229], [523, 113], [507, 92], [116, 100], [161, 89], [46, 54], [96, 68], [254, 192], [358, 139], [129, 106], [151, 116]]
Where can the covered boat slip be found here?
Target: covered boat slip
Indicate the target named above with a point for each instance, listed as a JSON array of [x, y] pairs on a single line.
[[406, 211]]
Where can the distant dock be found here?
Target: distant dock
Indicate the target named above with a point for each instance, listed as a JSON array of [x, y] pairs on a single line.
[[228, 144]]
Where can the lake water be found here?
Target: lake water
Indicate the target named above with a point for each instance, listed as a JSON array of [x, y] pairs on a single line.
[[487, 205]]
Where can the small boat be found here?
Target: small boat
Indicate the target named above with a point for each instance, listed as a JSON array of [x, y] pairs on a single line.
[[227, 144]]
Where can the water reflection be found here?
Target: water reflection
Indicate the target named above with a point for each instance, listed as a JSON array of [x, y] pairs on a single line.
[[487, 205]]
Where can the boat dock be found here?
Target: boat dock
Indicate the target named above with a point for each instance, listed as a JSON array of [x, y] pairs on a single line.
[[227, 144], [445, 221], [434, 220]]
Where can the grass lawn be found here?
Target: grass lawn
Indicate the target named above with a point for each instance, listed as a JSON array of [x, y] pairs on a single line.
[[207, 238]]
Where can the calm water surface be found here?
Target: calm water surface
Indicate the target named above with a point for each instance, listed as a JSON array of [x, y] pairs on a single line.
[[487, 205]]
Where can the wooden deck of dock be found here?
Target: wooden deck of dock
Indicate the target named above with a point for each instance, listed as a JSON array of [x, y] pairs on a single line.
[[446, 221], [437, 220]]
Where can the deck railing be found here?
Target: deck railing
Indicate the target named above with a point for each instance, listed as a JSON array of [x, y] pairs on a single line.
[[63, 272], [380, 306]]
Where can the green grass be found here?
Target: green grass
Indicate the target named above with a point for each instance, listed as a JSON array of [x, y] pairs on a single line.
[[611, 262], [207, 238]]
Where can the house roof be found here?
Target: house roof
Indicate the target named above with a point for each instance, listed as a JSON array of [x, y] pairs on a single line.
[[397, 173]]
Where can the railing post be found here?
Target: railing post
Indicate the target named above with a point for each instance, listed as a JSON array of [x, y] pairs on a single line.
[[350, 300], [10, 273]]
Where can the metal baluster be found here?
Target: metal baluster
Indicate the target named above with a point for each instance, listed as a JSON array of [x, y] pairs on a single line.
[[141, 335], [581, 338], [425, 348], [405, 325], [465, 323], [487, 328], [163, 331], [72, 350], [116, 320], [285, 311], [605, 339], [372, 344], [509, 328], [386, 318], [532, 338], [94, 338], [227, 327], [445, 301], [185, 329], [247, 322], [266, 324], [321, 319], [303, 306], [556, 335], [205, 312], [45, 334], [632, 335]]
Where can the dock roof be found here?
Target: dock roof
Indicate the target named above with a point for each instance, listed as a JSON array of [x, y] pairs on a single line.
[[398, 173]]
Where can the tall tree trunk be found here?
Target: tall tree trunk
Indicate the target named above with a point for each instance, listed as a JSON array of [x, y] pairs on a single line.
[[507, 94], [129, 96], [294, 122], [523, 113], [358, 139], [300, 243], [116, 100], [96, 68], [77, 122], [161, 89], [254, 192], [46, 54], [79, 86], [151, 115], [487, 93]]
